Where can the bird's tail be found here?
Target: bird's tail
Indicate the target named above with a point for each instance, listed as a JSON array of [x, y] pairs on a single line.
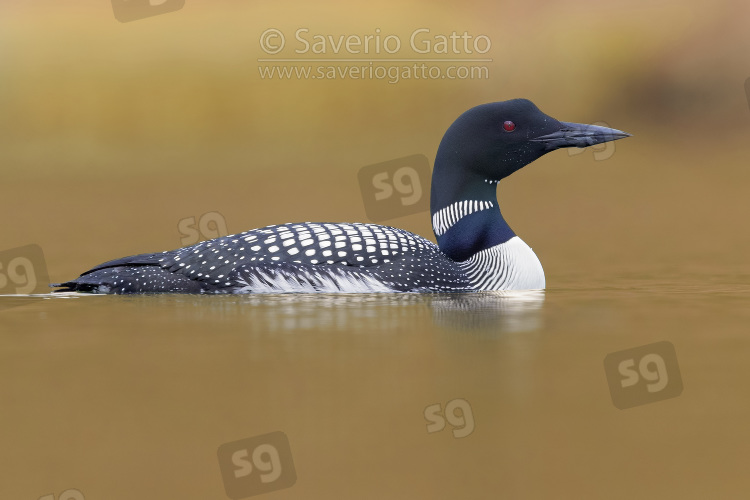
[[135, 274]]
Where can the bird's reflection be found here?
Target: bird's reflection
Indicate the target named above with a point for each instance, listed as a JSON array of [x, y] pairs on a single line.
[[515, 311], [14, 300], [271, 313], [328, 312], [497, 311]]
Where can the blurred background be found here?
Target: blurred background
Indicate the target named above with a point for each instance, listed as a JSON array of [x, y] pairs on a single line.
[[112, 133]]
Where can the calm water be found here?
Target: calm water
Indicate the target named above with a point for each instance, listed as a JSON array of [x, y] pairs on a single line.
[[131, 397]]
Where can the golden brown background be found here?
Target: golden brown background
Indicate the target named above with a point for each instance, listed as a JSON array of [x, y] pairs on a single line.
[[111, 133]]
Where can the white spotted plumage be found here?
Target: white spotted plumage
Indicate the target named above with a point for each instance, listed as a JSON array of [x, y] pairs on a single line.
[[319, 257]]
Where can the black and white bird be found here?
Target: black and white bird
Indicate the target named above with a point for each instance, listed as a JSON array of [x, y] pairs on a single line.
[[476, 249]]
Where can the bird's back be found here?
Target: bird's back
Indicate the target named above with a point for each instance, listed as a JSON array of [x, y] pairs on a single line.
[[295, 257]]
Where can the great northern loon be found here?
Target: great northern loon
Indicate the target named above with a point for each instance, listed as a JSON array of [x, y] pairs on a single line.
[[476, 249]]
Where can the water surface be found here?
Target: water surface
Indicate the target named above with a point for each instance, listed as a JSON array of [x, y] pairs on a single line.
[[131, 396]]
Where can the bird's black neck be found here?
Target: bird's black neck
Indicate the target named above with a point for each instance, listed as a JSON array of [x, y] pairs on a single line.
[[464, 222]]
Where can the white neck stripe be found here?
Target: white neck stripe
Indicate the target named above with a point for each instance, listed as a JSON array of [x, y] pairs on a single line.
[[445, 218]]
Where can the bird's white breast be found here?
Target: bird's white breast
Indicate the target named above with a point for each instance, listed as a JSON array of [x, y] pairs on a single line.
[[512, 265]]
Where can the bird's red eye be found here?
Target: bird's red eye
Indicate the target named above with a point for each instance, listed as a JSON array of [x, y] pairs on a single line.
[[509, 126]]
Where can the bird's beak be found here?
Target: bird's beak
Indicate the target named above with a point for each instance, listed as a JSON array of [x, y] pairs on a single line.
[[578, 135]]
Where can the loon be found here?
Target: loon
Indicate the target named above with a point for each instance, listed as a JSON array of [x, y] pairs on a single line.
[[476, 249]]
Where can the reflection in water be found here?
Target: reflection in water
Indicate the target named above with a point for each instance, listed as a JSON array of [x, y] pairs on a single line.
[[14, 300], [499, 311], [305, 312]]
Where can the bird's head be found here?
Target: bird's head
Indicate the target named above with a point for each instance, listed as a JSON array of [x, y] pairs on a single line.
[[496, 139]]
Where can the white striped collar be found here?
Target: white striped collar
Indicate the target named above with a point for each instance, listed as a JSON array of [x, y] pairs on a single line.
[[445, 218]]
